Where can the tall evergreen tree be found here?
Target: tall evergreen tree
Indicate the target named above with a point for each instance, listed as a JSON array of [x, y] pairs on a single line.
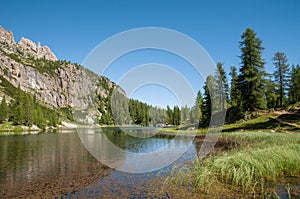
[[281, 75], [251, 82], [294, 90], [198, 104], [270, 91], [120, 109], [207, 99], [145, 110], [176, 115], [194, 114], [39, 118], [221, 87], [157, 115], [169, 115], [53, 119], [185, 114], [17, 107], [3, 110], [28, 110], [235, 94], [196, 110]]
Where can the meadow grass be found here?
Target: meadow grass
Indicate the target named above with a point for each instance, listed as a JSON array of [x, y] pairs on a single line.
[[263, 123]]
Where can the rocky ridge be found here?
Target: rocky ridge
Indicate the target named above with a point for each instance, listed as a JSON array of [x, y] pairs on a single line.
[[56, 83], [25, 46]]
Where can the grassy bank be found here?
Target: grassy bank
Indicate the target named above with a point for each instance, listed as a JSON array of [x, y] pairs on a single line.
[[263, 123], [260, 159]]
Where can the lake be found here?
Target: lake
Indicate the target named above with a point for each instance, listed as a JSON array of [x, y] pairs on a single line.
[[59, 164]]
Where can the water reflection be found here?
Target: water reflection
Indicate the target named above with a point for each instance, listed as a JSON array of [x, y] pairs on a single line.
[[136, 185], [26, 160], [58, 164], [145, 152]]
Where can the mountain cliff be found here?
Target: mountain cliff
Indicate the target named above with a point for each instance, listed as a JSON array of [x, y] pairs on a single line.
[[54, 83]]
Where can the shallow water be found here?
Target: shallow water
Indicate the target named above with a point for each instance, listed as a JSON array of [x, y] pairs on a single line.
[[58, 163]]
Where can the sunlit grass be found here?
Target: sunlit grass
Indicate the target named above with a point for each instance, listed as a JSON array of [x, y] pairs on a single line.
[[245, 168], [261, 157], [263, 123]]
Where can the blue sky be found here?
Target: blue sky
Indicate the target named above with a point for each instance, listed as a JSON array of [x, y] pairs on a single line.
[[73, 28]]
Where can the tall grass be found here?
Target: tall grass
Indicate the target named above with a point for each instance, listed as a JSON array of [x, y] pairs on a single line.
[[262, 157], [245, 168]]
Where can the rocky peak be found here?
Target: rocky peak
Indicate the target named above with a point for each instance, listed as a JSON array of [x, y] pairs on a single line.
[[38, 51], [26, 46], [6, 35]]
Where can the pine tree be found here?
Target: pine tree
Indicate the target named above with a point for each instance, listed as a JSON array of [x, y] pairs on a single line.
[[28, 110], [294, 90], [198, 104], [194, 114], [132, 110], [169, 115], [39, 118], [176, 115], [120, 108], [52, 118], [17, 107], [196, 110], [145, 115], [207, 99], [281, 75], [235, 94], [18, 114], [251, 82], [270, 90], [185, 114], [3, 110], [221, 87]]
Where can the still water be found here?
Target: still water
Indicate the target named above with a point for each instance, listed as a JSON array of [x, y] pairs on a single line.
[[59, 164]]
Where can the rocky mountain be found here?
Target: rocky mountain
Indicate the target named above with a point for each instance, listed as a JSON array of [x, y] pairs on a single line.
[[55, 83], [25, 46]]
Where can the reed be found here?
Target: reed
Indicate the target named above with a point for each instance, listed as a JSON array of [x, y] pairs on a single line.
[[261, 157], [247, 167]]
